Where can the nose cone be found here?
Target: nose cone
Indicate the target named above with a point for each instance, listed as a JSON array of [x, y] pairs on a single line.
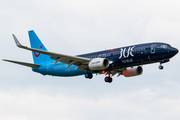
[[173, 51]]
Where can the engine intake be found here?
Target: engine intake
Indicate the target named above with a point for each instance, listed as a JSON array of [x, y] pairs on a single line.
[[98, 64], [133, 71]]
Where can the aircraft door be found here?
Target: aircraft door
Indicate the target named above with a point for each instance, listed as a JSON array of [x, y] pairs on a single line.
[[153, 48], [151, 57], [48, 67]]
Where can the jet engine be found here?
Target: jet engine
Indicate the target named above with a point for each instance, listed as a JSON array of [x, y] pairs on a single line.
[[133, 71], [98, 64]]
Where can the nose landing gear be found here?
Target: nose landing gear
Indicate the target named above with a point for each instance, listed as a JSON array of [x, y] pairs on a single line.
[[162, 61]]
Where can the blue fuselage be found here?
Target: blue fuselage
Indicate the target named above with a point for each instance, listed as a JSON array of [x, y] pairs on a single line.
[[120, 58]]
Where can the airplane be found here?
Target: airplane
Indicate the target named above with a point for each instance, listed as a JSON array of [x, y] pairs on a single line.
[[127, 61]]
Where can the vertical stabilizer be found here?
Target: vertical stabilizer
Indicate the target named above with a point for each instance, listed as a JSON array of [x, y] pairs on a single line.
[[37, 44]]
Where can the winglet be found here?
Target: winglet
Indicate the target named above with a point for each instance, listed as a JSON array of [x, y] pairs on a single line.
[[16, 41]]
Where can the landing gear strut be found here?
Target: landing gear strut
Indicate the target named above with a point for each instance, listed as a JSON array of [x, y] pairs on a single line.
[[89, 75], [108, 79]]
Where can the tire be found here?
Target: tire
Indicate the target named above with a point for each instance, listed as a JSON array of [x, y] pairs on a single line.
[[86, 75], [161, 67], [108, 79], [90, 75]]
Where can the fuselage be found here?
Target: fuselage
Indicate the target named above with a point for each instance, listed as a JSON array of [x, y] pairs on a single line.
[[122, 57]]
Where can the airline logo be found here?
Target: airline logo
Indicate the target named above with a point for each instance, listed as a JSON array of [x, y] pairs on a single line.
[[128, 51], [37, 55]]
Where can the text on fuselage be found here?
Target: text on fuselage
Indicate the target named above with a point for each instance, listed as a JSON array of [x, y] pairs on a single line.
[[124, 51]]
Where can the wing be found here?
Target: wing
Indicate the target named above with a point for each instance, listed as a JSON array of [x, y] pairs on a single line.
[[81, 63], [23, 63]]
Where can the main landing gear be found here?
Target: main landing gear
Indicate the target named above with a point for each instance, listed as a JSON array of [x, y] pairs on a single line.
[[89, 75], [108, 79]]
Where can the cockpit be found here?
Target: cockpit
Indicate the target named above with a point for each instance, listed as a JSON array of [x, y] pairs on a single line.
[[165, 46]]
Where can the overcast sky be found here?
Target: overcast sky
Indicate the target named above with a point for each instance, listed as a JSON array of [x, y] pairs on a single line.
[[81, 26]]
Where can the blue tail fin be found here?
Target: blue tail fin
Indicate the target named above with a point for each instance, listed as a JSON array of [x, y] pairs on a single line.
[[37, 44]]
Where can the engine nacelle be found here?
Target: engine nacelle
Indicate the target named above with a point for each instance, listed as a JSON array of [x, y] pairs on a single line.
[[98, 64], [133, 71]]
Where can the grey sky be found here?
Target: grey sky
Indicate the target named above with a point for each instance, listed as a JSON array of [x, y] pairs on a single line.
[[74, 27]]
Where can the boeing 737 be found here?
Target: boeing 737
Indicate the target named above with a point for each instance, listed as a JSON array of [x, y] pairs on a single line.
[[125, 61]]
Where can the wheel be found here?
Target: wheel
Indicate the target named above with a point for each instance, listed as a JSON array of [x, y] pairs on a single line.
[[108, 79], [88, 75], [161, 67]]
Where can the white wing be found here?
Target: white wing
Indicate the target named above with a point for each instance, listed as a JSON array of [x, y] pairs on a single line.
[[80, 62]]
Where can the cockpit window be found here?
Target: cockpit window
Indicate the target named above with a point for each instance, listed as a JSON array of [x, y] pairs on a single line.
[[168, 45], [164, 46]]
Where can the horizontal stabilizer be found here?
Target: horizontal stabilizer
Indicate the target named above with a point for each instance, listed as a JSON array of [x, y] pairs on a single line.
[[23, 63]]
